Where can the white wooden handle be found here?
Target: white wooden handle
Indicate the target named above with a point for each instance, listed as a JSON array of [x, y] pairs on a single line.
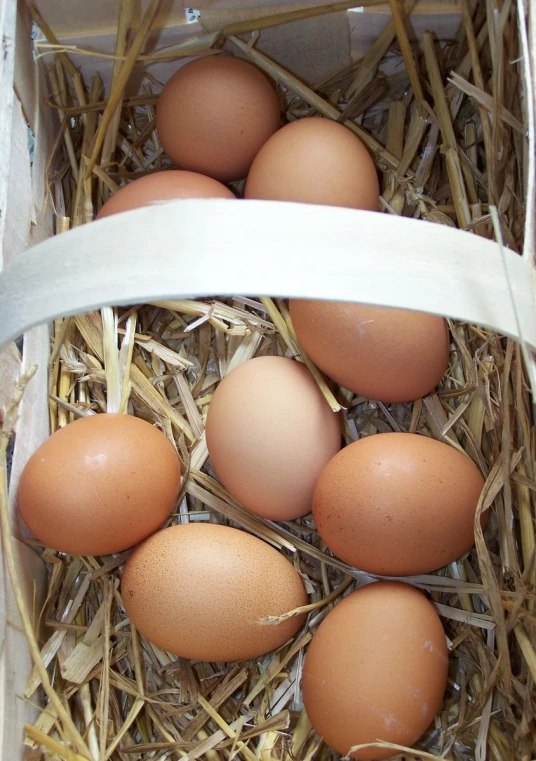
[[195, 248]]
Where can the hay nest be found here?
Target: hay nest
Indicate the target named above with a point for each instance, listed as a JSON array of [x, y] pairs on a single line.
[[446, 126]]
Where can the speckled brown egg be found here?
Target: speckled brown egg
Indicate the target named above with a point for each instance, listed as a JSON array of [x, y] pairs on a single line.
[[200, 591], [163, 186], [269, 434], [398, 504], [215, 114], [317, 161], [99, 485], [376, 669], [390, 355]]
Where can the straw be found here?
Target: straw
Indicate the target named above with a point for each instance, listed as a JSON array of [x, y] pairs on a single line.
[[445, 123], [8, 425], [287, 17], [122, 79], [126, 11], [446, 128]]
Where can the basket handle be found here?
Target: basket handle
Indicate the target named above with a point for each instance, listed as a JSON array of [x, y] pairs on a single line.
[[194, 248]]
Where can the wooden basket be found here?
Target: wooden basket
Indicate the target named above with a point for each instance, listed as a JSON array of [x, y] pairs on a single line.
[[209, 247]]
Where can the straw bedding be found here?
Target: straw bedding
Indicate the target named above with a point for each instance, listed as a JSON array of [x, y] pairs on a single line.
[[446, 126]]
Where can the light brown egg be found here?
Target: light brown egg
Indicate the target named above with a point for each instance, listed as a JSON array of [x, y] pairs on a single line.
[[318, 161], [163, 186], [390, 355], [269, 434], [99, 485], [200, 591], [398, 504], [376, 669], [215, 114]]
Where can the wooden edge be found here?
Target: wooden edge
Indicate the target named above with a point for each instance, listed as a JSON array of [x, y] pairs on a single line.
[[195, 248], [8, 14], [15, 660], [528, 43], [21, 187], [80, 18], [9, 373]]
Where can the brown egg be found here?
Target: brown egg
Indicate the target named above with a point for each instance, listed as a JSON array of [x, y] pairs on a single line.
[[99, 485], [163, 186], [200, 591], [390, 355], [376, 669], [215, 114], [398, 504], [269, 434], [318, 161]]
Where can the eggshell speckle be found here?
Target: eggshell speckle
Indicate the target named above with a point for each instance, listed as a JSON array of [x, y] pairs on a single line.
[[398, 504], [376, 669], [317, 161], [269, 434], [214, 115], [163, 186], [99, 485], [391, 355], [200, 590]]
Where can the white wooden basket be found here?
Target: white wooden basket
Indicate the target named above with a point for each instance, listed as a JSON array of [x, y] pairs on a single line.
[[209, 247]]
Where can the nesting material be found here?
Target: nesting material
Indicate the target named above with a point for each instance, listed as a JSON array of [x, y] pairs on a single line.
[[446, 127]]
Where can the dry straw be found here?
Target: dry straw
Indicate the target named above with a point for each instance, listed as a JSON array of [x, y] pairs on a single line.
[[446, 126]]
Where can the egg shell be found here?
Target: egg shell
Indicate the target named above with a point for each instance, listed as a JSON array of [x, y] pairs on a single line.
[[376, 669], [398, 504], [163, 186], [99, 485], [200, 590], [390, 355], [269, 434], [315, 160], [214, 115]]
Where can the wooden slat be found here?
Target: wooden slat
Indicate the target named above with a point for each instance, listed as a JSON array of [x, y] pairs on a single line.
[[8, 9], [204, 246], [68, 17]]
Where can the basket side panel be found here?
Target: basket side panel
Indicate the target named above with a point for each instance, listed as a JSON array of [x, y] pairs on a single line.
[[78, 17], [23, 221], [7, 66], [29, 221], [310, 48], [529, 75]]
